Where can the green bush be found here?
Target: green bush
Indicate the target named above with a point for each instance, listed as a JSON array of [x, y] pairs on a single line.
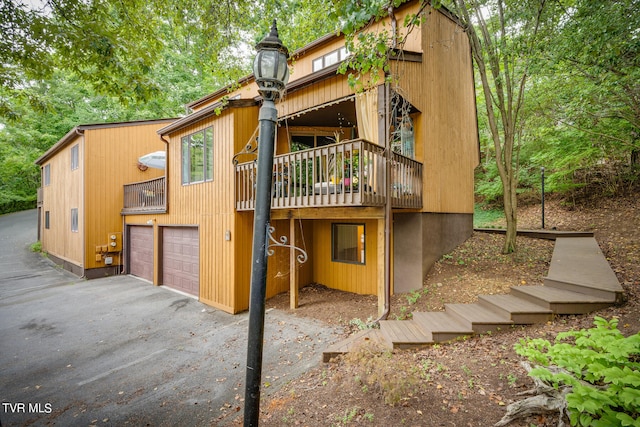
[[600, 365]]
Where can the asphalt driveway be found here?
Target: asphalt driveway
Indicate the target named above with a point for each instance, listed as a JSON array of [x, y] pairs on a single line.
[[119, 351]]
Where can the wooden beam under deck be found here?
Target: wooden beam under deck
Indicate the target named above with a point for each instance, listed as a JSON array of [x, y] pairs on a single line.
[[328, 213]]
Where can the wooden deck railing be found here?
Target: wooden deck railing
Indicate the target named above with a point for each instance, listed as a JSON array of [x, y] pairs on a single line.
[[145, 197], [350, 173]]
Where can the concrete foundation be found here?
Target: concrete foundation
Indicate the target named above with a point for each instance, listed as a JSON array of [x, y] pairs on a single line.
[[420, 239]]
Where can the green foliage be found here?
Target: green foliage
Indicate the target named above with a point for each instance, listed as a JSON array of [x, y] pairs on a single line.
[[601, 366], [484, 216]]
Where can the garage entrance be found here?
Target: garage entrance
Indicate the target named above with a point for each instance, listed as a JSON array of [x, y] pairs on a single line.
[[141, 251], [180, 259]]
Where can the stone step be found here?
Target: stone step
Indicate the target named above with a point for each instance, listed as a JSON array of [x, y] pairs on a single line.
[[405, 334], [442, 325], [479, 318], [521, 311], [561, 301]]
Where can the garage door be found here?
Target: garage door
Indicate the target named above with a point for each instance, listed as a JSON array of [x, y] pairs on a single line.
[[141, 252], [180, 259]]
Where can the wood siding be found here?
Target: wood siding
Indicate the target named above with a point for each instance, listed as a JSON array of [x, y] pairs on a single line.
[[64, 192], [442, 88], [357, 278], [111, 160], [224, 281]]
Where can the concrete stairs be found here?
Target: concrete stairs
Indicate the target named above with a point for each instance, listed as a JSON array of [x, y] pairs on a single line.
[[579, 281]]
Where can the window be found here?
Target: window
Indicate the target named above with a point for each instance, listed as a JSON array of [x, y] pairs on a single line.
[[330, 59], [197, 157], [74, 157], [46, 175], [74, 220], [347, 243], [47, 220]]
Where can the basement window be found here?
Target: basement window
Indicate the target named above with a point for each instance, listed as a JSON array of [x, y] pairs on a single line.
[[348, 243]]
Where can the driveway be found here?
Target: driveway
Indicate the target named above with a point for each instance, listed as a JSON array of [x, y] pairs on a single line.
[[119, 351]]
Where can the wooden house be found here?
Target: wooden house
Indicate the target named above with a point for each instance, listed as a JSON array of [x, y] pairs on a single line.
[[372, 220], [79, 203]]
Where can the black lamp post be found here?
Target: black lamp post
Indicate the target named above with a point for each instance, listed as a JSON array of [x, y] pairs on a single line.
[[542, 188], [271, 73]]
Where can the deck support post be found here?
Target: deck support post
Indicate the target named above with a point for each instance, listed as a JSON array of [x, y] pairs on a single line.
[[293, 270], [382, 255]]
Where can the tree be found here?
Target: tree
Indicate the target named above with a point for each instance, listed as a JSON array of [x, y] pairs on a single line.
[[506, 40]]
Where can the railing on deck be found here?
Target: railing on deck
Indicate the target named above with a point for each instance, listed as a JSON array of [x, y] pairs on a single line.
[[350, 173], [145, 196]]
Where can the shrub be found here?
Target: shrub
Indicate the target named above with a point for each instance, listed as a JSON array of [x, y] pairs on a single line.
[[601, 367]]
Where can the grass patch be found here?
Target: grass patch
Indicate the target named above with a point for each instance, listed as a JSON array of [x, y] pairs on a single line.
[[486, 218]]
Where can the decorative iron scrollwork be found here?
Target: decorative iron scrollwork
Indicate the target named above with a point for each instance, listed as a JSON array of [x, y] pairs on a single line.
[[284, 243], [251, 149]]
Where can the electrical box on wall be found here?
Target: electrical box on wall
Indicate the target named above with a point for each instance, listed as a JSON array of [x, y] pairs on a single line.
[[115, 242]]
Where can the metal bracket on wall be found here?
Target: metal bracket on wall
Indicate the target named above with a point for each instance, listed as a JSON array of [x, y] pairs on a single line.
[[250, 149], [283, 243]]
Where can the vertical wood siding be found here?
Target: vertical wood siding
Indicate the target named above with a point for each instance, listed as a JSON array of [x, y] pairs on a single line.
[[360, 279], [442, 88], [62, 194], [111, 160]]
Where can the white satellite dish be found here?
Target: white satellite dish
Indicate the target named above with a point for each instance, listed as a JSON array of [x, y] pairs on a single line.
[[157, 159]]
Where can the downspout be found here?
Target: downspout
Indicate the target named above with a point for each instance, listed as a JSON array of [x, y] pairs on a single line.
[[80, 133], [166, 173], [387, 207]]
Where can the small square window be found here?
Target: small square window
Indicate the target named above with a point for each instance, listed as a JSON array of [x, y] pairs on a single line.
[[317, 64], [348, 243]]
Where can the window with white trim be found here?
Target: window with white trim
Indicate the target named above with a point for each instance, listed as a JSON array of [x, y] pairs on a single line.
[[329, 59]]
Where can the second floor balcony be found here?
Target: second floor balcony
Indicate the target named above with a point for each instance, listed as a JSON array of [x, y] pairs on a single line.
[[145, 197], [349, 173]]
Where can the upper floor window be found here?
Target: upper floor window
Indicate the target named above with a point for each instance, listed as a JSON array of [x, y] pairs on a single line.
[[197, 156], [46, 175], [330, 58], [74, 157]]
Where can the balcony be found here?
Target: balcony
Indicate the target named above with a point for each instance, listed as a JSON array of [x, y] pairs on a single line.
[[145, 197], [350, 173]]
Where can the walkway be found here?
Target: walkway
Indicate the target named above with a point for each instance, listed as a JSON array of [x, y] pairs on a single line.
[[579, 281]]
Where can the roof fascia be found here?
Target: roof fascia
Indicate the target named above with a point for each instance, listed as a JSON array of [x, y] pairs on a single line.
[[206, 112], [80, 129]]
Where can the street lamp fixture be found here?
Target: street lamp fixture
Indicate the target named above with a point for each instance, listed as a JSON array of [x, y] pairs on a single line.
[[270, 65], [272, 73]]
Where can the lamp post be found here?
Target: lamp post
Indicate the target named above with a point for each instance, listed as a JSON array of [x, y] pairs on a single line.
[[542, 188], [271, 73]]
